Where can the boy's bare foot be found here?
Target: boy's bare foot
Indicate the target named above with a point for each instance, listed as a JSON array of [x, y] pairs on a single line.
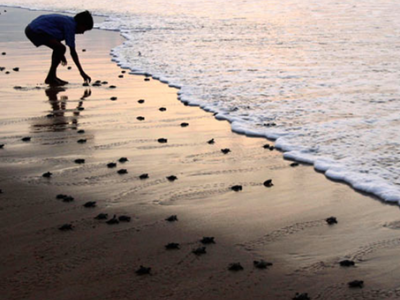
[[55, 81]]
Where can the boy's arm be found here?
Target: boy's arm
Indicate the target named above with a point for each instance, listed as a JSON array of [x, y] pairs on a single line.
[[75, 58]]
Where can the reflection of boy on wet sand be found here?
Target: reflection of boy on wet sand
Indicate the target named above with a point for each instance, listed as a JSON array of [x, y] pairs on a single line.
[[50, 30]]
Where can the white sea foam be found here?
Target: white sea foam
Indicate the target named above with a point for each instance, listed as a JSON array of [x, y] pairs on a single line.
[[319, 77]]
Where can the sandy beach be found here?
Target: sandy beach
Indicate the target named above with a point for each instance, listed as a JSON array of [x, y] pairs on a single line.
[[141, 119]]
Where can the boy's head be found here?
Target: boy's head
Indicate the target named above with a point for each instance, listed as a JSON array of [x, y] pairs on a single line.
[[84, 21]]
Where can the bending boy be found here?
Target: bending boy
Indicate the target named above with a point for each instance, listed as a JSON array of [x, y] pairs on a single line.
[[50, 30]]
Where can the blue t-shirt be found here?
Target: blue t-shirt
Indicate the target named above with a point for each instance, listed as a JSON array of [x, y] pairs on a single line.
[[58, 26]]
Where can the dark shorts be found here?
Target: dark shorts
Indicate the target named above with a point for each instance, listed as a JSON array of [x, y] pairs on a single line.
[[37, 39]]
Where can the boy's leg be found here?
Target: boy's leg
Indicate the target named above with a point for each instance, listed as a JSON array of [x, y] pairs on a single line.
[[58, 55]]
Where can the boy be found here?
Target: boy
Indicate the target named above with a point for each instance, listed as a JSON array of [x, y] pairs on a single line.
[[50, 30]]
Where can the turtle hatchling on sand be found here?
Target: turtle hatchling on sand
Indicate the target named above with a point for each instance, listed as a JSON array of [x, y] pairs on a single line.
[[123, 159], [172, 178], [141, 101], [171, 246], [101, 216], [347, 263], [81, 131], [90, 204], [172, 218], [122, 171], [143, 270], [331, 220], [235, 267], [211, 141], [236, 188], [124, 218], [47, 174], [199, 251], [162, 141], [356, 284], [111, 165], [261, 264], [113, 221], [268, 183], [26, 139], [302, 296], [65, 227], [225, 151], [207, 240], [79, 161], [82, 141], [162, 109], [144, 176]]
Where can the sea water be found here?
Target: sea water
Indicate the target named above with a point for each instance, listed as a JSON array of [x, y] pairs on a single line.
[[321, 77]]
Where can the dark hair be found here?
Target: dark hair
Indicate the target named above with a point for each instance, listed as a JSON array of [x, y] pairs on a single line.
[[84, 18]]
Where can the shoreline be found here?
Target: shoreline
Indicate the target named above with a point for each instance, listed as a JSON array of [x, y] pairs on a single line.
[[284, 224]]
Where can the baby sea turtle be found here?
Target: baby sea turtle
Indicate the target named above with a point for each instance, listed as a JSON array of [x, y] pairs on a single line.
[[199, 251], [261, 264], [294, 164], [211, 141], [207, 240], [123, 159], [356, 284], [172, 178], [236, 188], [16, 69], [302, 296], [85, 84], [271, 148], [144, 176], [96, 84], [90, 204], [79, 161], [83, 50], [122, 171], [162, 140], [50, 116], [124, 218], [104, 82], [162, 109], [26, 139], [3, 53], [172, 218], [143, 270], [113, 98], [225, 151], [101, 216], [331, 220], [65, 227], [61, 196], [113, 221], [69, 68], [235, 267], [81, 131], [141, 101], [82, 141], [140, 118], [184, 124], [47, 174], [120, 76], [111, 165], [1, 146], [171, 246], [68, 199], [123, 71], [147, 79], [112, 87], [81, 108], [347, 263], [266, 146], [268, 183], [17, 87]]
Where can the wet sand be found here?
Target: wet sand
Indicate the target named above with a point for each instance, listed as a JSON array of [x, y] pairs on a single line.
[[283, 224]]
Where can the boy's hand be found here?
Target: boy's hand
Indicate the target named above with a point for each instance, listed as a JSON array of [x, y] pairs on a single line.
[[85, 77]]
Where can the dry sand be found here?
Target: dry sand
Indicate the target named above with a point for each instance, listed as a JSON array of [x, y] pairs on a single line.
[[284, 224]]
